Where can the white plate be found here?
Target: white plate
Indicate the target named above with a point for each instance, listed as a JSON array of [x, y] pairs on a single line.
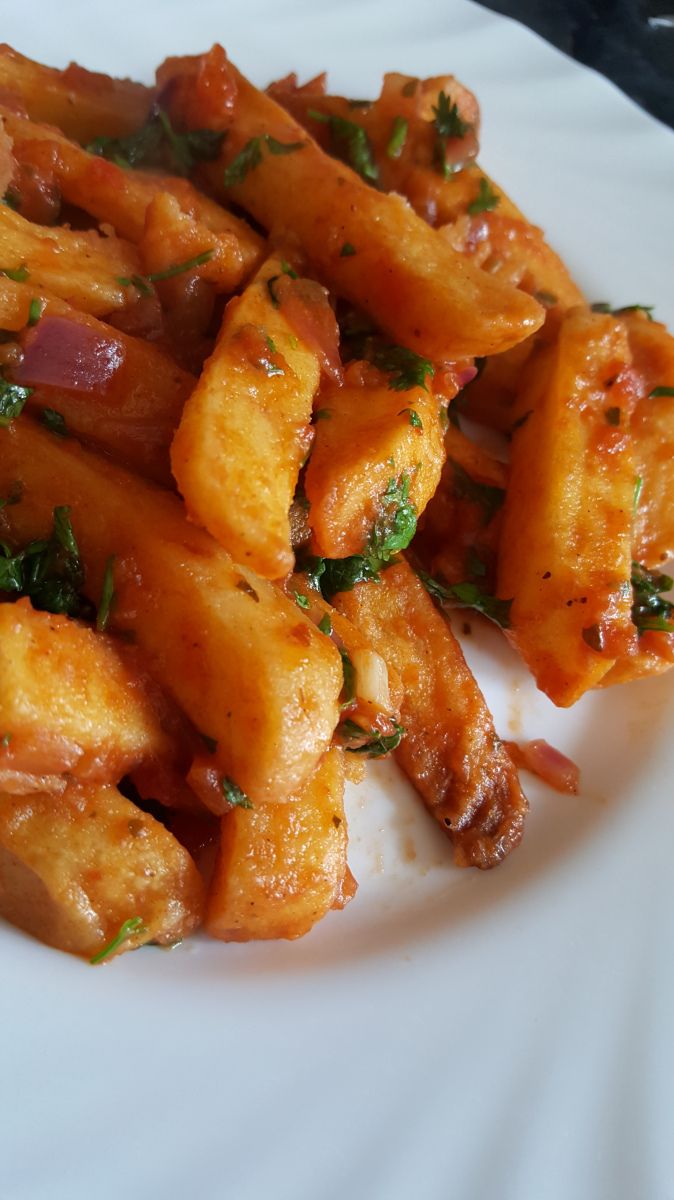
[[451, 1034]]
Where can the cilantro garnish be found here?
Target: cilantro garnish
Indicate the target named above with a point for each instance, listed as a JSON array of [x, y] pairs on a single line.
[[48, 570], [638, 485], [406, 368], [448, 124], [17, 274], [468, 595], [188, 265], [650, 610], [107, 599], [414, 417], [325, 625], [250, 156], [234, 795], [350, 143], [54, 421], [137, 281], [490, 498], [128, 929], [302, 601], [286, 269], [603, 306], [12, 399], [347, 250], [35, 310], [398, 137], [392, 532], [157, 144], [486, 199], [660, 392], [5, 740], [376, 744]]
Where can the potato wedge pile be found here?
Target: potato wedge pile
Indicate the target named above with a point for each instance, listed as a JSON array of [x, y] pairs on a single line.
[[244, 338]]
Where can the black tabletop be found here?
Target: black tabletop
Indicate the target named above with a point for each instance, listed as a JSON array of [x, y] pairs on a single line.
[[630, 41]]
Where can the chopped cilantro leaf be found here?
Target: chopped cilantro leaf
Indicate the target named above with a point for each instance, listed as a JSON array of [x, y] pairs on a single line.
[[136, 281], [275, 147], [209, 742], [414, 417], [107, 599], [133, 926], [325, 624], [603, 306], [486, 199], [48, 570], [54, 421], [348, 693], [468, 595], [5, 740], [638, 485], [35, 310], [448, 124], [660, 392], [407, 369], [234, 795], [650, 610], [347, 250], [302, 601], [12, 399], [188, 265], [17, 274], [490, 498], [372, 743], [398, 137], [350, 143], [157, 144], [250, 156]]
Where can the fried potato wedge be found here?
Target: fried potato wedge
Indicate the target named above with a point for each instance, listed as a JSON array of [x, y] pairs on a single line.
[[282, 867], [652, 430], [363, 430], [82, 268], [245, 431], [409, 280], [566, 538], [246, 666], [450, 750], [68, 702], [84, 104], [75, 868], [118, 393]]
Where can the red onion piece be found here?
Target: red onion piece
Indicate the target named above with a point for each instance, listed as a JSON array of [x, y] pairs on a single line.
[[553, 767], [62, 353], [466, 376]]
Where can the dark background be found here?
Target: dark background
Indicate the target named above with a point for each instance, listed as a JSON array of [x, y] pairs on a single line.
[[624, 39]]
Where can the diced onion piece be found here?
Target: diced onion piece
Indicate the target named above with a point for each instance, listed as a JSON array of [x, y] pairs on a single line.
[[372, 679], [550, 765], [63, 353]]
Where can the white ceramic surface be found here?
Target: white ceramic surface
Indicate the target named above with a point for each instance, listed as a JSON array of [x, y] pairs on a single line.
[[452, 1035]]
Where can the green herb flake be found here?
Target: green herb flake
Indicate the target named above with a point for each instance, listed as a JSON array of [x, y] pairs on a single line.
[[107, 600], [157, 144], [35, 310], [468, 595], [302, 601], [12, 399], [347, 250], [372, 743], [638, 486], [407, 369], [54, 421], [179, 268], [325, 625], [271, 344], [414, 418], [448, 124], [17, 274], [603, 306], [11, 200], [547, 299], [350, 143], [233, 794], [136, 281], [275, 147], [486, 199], [48, 570], [659, 393], [246, 160], [5, 740], [612, 415], [323, 414], [398, 137], [134, 926], [209, 742], [650, 610], [489, 498]]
